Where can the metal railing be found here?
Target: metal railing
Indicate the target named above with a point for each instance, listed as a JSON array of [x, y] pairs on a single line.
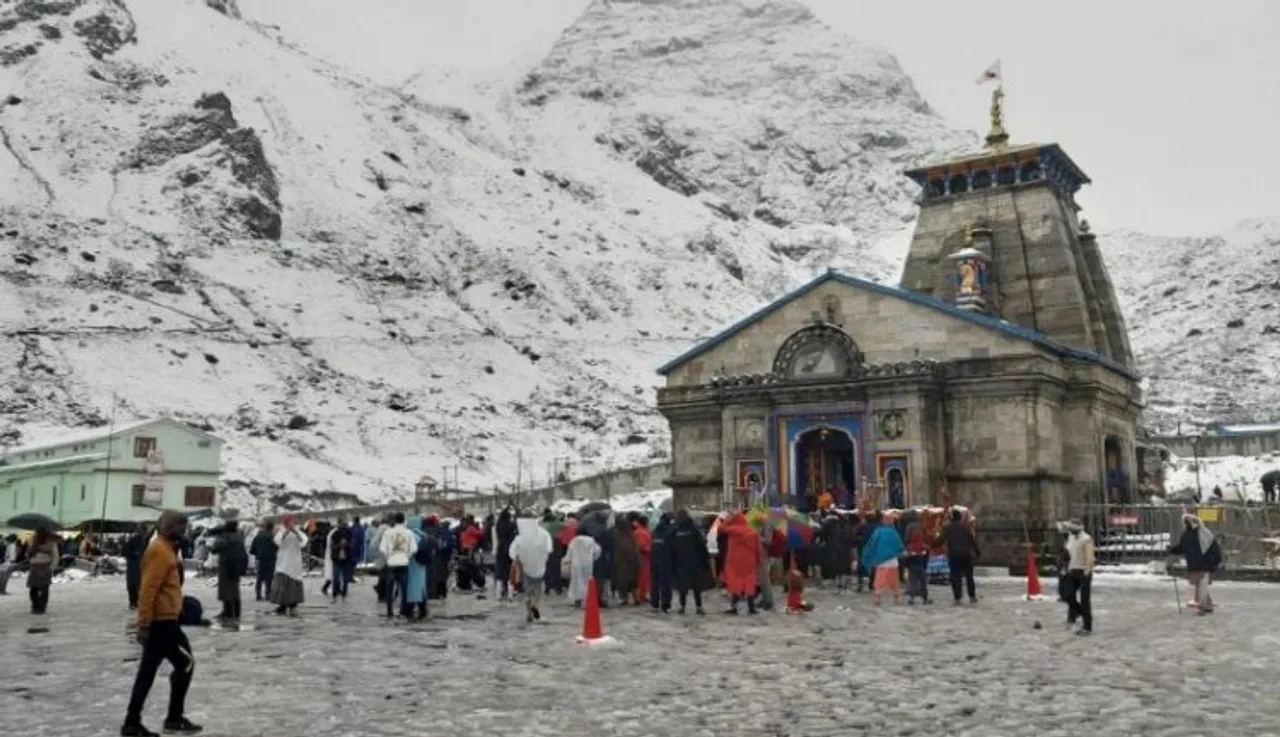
[[1249, 534]]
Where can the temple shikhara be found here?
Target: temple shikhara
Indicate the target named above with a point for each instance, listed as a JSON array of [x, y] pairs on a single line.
[[999, 367]]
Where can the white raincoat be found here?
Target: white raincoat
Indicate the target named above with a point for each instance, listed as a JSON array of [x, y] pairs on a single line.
[[531, 548], [289, 556], [328, 556], [582, 555]]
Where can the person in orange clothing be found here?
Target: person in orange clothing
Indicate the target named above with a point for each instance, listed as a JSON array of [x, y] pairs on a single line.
[[742, 562], [161, 637], [644, 545], [826, 500]]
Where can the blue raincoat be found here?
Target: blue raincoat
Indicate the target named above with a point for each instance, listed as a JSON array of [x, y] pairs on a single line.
[[885, 545], [416, 588]]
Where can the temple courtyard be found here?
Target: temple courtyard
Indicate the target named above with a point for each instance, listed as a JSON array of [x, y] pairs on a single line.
[[846, 668]]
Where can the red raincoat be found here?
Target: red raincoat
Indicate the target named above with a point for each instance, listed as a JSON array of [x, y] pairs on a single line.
[[644, 544], [741, 572]]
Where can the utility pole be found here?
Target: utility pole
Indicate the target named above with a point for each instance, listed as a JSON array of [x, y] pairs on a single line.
[[106, 485], [519, 475]]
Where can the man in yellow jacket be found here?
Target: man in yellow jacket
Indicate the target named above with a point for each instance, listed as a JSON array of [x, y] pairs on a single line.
[[161, 637]]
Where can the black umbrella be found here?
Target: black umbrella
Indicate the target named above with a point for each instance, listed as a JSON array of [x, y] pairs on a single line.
[[33, 522], [594, 522], [592, 507], [107, 526]]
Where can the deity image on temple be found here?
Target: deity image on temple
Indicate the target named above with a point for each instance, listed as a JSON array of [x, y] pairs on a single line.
[[968, 278]]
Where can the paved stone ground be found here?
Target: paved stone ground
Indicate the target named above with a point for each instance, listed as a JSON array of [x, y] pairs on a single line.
[[847, 668]]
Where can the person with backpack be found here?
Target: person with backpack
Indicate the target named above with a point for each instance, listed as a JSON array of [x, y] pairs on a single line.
[[397, 546], [415, 590], [233, 563], [340, 551]]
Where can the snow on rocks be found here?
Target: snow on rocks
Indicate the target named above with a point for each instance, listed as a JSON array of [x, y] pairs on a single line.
[[269, 231]]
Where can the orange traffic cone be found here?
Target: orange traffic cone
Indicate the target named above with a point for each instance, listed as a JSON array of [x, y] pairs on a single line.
[[1033, 578], [795, 592], [592, 631]]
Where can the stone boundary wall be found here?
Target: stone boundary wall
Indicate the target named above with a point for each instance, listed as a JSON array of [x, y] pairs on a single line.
[[1212, 446], [604, 486]]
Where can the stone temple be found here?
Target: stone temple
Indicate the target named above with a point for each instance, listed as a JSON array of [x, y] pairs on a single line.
[[998, 370]]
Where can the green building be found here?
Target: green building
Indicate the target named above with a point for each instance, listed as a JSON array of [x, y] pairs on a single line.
[[125, 474]]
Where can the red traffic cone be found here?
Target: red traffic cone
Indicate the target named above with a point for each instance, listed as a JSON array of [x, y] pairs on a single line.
[[1033, 578], [795, 592], [592, 631]]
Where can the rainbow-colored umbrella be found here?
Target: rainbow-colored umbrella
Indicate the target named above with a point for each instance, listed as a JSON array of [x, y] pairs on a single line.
[[795, 525]]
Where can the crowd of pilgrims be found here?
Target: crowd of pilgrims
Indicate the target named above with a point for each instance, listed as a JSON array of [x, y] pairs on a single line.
[[661, 560]]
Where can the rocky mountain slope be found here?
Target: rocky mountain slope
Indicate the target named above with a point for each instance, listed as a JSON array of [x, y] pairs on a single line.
[[355, 284], [1204, 319]]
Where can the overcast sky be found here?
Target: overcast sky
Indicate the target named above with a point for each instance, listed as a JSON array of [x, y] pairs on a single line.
[[1171, 106]]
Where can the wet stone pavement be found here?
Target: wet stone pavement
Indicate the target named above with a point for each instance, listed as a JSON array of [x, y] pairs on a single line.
[[846, 668]]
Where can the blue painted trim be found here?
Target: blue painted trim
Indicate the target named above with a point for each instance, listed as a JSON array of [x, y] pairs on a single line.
[[1051, 151], [995, 323]]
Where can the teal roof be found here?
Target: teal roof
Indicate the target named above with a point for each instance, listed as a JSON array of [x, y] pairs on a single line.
[[989, 321]]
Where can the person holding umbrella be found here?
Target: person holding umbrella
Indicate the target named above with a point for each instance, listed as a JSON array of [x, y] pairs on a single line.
[[42, 558]]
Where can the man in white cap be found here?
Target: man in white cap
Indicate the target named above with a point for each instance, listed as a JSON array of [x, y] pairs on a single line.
[[1079, 582]]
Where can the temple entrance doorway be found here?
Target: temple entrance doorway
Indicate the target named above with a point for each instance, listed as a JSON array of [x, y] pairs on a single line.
[[1116, 479], [825, 459]]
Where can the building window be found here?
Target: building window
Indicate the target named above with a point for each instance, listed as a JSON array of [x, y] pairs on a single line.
[[55, 496], [139, 493], [81, 492], [143, 446], [198, 496]]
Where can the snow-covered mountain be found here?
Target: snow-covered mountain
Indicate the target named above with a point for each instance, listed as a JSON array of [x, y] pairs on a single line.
[[1204, 320], [355, 284]]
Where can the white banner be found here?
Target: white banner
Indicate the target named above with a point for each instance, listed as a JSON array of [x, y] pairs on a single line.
[[153, 487]]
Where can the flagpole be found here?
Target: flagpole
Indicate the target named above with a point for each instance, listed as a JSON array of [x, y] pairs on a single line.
[[106, 485]]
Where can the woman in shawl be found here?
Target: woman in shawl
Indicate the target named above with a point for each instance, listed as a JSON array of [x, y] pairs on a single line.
[[692, 562], [286, 587], [1200, 548], [415, 595], [880, 555], [644, 548], [626, 561], [743, 553], [42, 556], [581, 553]]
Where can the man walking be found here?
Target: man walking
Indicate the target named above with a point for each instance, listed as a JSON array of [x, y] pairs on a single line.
[[530, 550], [264, 549], [1079, 580], [962, 550], [397, 545], [159, 607]]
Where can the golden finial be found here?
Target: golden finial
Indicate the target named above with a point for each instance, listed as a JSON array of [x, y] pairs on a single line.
[[968, 235], [998, 136]]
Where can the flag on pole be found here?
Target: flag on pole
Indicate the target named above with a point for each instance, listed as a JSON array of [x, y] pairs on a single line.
[[992, 73]]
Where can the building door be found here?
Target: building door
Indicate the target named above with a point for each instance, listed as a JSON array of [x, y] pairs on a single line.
[[825, 459]]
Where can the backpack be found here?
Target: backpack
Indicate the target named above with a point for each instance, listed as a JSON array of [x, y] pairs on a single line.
[[237, 560], [422, 556]]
